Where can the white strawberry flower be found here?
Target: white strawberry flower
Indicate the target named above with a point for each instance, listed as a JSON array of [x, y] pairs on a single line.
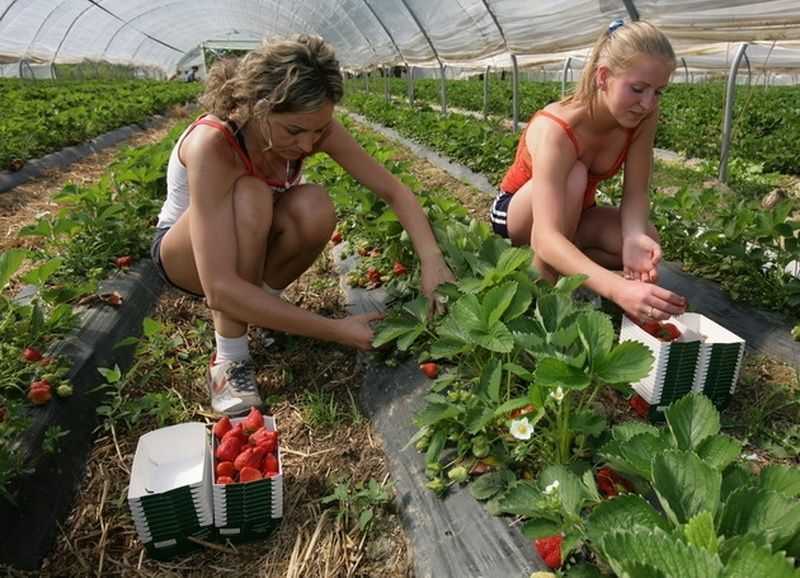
[[552, 488], [558, 394], [521, 429]]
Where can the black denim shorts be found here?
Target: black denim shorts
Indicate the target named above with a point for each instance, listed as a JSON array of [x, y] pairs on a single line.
[[155, 255], [499, 213]]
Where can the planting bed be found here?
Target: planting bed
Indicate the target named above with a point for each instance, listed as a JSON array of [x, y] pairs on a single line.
[[454, 536]]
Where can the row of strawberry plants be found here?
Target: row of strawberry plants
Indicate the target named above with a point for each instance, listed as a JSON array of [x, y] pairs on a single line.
[[518, 367], [737, 242], [96, 230], [42, 117], [691, 114]]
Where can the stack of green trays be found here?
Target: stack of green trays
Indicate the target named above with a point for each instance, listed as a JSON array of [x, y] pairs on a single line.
[[720, 359], [170, 490], [705, 359], [249, 511], [674, 366]]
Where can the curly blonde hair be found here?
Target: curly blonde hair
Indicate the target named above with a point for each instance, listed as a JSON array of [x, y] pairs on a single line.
[[294, 75], [618, 49]]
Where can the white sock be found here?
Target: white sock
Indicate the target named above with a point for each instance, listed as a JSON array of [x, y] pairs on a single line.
[[270, 290], [231, 348]]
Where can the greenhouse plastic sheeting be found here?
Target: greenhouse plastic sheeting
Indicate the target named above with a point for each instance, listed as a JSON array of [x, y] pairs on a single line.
[[367, 33]]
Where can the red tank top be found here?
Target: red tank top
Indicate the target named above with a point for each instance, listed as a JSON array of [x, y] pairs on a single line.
[[238, 146], [521, 170]]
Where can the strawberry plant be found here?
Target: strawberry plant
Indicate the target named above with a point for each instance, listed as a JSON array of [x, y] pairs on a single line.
[[689, 507]]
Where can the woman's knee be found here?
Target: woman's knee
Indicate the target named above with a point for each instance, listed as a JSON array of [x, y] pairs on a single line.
[[307, 211], [253, 204]]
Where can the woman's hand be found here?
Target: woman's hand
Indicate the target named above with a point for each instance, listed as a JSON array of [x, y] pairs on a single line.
[[640, 257], [648, 301], [434, 273], [356, 330]]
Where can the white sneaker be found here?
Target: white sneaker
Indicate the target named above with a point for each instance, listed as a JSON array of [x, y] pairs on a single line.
[[233, 388]]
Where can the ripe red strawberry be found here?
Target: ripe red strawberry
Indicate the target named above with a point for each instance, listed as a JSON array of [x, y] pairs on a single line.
[[222, 427], [550, 550], [225, 468], [668, 332], [610, 483], [264, 438], [270, 464], [249, 474], [225, 480], [31, 354], [124, 261], [336, 238], [228, 448], [640, 405], [247, 458], [522, 411], [236, 433], [253, 421], [399, 269], [430, 369], [40, 392], [374, 275]]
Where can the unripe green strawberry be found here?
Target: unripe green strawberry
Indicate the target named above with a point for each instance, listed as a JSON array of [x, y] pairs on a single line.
[[64, 389], [458, 474]]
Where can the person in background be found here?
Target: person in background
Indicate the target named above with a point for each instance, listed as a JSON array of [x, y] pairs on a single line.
[[177, 75], [608, 124], [238, 224], [191, 76]]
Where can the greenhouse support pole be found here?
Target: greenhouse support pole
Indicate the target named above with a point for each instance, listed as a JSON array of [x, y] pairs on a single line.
[[410, 83], [443, 88], [486, 94], [564, 72], [727, 119], [515, 90]]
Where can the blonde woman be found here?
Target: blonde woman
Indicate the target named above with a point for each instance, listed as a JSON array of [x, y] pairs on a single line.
[[239, 225], [547, 197]]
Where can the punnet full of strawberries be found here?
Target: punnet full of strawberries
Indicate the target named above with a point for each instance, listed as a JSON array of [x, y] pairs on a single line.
[[245, 451]]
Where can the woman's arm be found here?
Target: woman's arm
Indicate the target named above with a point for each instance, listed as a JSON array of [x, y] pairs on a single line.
[[345, 150], [641, 253]]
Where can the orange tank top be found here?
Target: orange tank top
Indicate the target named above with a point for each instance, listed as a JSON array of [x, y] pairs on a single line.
[[521, 170]]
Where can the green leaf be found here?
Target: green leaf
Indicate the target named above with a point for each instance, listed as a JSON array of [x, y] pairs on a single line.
[[496, 302], [491, 484], [497, 338], [627, 362], [522, 499], [628, 512], [552, 310], [719, 451], [685, 485], [766, 513], [587, 422], [10, 262], [570, 487], [364, 518], [477, 418], [752, 559], [735, 476], [699, 531], [434, 413], [551, 372], [490, 379], [638, 453], [41, 274], [392, 328], [691, 419], [539, 528], [782, 478], [626, 430], [596, 333], [639, 554]]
